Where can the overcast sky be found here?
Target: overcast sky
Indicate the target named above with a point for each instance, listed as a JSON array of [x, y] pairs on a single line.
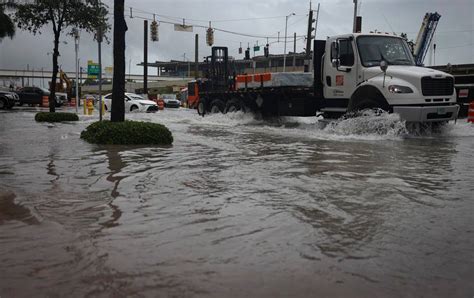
[[454, 36]]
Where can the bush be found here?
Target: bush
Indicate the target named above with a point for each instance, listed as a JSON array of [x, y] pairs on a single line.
[[127, 133], [55, 117]]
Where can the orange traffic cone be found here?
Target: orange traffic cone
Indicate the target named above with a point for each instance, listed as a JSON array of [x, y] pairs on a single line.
[[45, 102], [470, 113]]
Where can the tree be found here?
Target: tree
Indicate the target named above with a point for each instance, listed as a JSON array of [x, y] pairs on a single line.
[[62, 15], [7, 27], [118, 88]]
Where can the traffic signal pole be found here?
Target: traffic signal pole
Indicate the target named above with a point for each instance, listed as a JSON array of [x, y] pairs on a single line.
[[145, 57], [196, 56]]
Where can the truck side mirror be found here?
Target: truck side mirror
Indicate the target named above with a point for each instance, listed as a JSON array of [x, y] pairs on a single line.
[[383, 66], [335, 61]]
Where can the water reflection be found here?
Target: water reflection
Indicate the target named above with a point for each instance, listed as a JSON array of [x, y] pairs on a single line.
[[115, 165], [9, 210]]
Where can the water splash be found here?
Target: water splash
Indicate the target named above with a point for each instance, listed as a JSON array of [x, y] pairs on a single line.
[[369, 123]]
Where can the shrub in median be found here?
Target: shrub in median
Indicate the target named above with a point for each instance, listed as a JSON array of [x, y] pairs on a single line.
[[55, 117], [127, 133]]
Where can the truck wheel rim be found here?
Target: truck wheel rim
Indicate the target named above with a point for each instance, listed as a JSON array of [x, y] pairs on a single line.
[[201, 108]]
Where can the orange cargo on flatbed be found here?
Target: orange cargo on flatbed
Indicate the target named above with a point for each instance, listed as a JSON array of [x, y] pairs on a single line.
[[265, 77]]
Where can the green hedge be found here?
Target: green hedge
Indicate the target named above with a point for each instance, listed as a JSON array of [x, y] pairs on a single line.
[[55, 117], [127, 133]]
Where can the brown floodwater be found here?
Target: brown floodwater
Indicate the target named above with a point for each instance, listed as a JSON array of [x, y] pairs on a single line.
[[237, 207]]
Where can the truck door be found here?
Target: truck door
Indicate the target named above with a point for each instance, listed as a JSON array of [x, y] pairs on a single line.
[[340, 71]]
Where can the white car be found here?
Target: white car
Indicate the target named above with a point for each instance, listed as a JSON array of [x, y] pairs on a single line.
[[133, 103]]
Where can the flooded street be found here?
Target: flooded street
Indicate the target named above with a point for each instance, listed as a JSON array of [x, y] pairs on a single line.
[[237, 207]]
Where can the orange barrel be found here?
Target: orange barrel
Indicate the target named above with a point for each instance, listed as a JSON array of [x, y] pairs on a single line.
[[45, 101], [470, 113]]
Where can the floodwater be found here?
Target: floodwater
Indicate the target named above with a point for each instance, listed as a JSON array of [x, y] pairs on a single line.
[[237, 207]]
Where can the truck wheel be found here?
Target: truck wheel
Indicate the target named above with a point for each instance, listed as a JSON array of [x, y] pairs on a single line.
[[217, 106], [3, 103], [233, 106], [371, 101], [133, 108], [201, 107]]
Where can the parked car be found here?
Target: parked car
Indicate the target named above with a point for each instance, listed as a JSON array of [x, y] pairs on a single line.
[[34, 95], [7, 99], [171, 101], [133, 103]]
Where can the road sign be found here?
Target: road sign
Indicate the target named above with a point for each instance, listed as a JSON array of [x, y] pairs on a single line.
[[256, 48], [93, 70]]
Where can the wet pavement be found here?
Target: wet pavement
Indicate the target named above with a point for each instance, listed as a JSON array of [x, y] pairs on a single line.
[[237, 207]]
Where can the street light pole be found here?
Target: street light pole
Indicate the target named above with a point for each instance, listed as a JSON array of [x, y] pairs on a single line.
[[99, 44], [284, 51], [354, 29], [76, 44]]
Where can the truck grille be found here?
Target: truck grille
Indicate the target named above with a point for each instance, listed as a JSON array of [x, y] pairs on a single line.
[[433, 87]]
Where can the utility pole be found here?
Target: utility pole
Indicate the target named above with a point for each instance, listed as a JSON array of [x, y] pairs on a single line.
[[76, 44], [284, 51], [196, 56], [294, 51], [145, 58], [99, 45], [354, 30]]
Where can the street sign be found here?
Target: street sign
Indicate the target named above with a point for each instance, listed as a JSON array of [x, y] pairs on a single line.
[[183, 28], [109, 70], [256, 48], [93, 70]]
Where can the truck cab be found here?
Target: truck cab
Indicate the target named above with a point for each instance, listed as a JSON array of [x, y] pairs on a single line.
[[360, 71]]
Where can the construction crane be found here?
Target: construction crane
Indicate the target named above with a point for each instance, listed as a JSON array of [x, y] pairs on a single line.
[[425, 35]]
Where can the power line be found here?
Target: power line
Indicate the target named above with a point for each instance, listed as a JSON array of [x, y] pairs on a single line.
[[205, 27]]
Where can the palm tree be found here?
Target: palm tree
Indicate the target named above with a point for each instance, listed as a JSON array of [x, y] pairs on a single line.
[[7, 27]]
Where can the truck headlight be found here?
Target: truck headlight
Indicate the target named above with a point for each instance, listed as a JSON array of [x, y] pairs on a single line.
[[399, 89]]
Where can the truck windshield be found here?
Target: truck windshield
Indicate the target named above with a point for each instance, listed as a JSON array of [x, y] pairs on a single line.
[[373, 49]]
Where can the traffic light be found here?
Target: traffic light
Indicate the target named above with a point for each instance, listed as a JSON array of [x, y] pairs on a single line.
[[154, 31], [210, 36], [310, 35], [247, 54], [266, 50]]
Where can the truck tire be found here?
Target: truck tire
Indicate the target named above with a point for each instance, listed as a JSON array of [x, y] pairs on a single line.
[[217, 106], [234, 105], [370, 98], [3, 104], [201, 107]]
